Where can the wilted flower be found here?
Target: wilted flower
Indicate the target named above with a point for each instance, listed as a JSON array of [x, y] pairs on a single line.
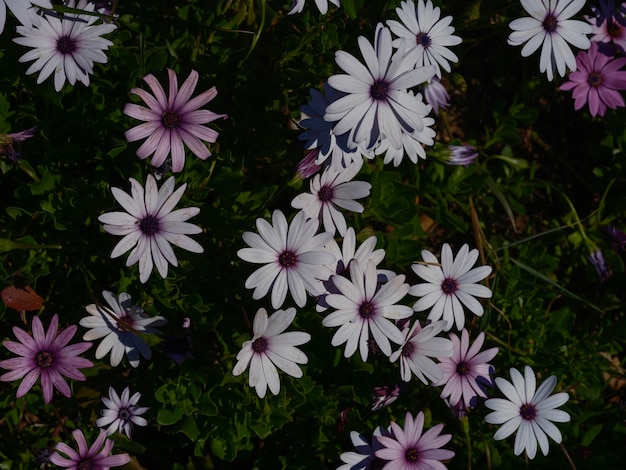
[[436, 94], [597, 259], [7, 141], [385, 395], [461, 155], [615, 237]]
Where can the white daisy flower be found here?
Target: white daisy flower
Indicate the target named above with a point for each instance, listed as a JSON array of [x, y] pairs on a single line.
[[550, 26], [270, 348], [150, 225], [412, 144], [292, 255], [121, 412], [364, 455], [119, 325], [23, 11], [420, 344], [377, 103], [529, 411], [331, 190], [449, 285], [348, 251], [68, 46], [426, 33], [322, 5], [363, 307]]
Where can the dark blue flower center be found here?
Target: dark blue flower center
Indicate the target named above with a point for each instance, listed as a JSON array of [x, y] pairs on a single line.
[[462, 368], [259, 345], [170, 119], [367, 310], [325, 193], [124, 414], [528, 411], [378, 91], [411, 454], [149, 225], [594, 79], [66, 45], [287, 259], [44, 359], [550, 23], [422, 39], [449, 286]]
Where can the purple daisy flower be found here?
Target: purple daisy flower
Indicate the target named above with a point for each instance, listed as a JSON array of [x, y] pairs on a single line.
[[412, 450], [597, 81], [95, 457], [172, 121], [45, 355], [465, 373]]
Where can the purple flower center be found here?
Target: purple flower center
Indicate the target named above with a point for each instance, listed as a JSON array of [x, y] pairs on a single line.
[[594, 79], [378, 91], [411, 454], [422, 39], [44, 359], [449, 286], [462, 368], [287, 259], [259, 345], [124, 414], [85, 464], [528, 411], [125, 323], [170, 119], [149, 225], [614, 29], [550, 23], [325, 193], [367, 310], [66, 45], [408, 349]]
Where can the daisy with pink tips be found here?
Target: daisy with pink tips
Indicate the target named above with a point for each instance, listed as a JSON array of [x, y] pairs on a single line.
[[96, 457], [172, 121], [45, 355], [597, 82], [467, 371], [409, 449]]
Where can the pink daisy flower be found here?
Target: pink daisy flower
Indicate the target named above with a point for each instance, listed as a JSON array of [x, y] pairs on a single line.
[[45, 355], [597, 81], [172, 121], [412, 450], [95, 457], [465, 373]]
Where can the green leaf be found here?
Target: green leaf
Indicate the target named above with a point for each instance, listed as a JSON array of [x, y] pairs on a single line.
[[591, 434], [168, 417]]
